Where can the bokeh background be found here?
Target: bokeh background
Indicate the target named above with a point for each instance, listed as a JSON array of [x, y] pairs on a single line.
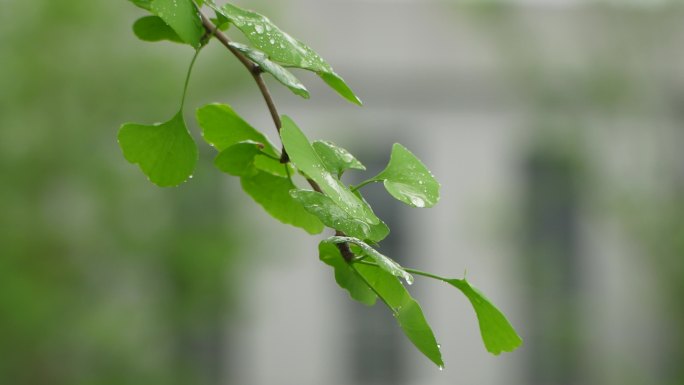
[[556, 129]]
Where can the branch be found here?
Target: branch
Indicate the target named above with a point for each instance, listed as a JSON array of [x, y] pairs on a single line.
[[255, 71]]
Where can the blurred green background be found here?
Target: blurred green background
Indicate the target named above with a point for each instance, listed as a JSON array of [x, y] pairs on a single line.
[[106, 279]]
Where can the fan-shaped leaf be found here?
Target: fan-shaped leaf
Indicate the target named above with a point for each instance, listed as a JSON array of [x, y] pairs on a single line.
[[383, 262], [497, 333], [238, 159], [404, 308], [279, 72], [165, 152], [153, 28], [307, 160], [283, 48], [246, 158], [222, 127], [273, 194], [144, 4], [331, 214], [345, 276], [336, 159], [183, 17], [407, 179]]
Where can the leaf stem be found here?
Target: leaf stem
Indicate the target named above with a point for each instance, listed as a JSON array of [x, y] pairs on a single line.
[[366, 182], [256, 73], [187, 77], [412, 271]]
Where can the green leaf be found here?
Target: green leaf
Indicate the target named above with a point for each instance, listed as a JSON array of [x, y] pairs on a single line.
[[221, 22], [165, 152], [144, 4], [279, 73], [385, 263], [273, 194], [283, 48], [277, 44], [273, 166], [307, 161], [338, 84], [246, 159], [153, 28], [345, 276], [183, 17], [497, 333], [379, 231], [336, 159], [331, 214], [238, 159], [222, 127], [407, 179], [404, 308]]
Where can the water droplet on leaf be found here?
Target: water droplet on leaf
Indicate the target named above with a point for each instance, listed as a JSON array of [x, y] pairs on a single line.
[[418, 202]]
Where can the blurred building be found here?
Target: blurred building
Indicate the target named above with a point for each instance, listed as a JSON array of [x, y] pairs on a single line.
[[554, 126], [544, 121]]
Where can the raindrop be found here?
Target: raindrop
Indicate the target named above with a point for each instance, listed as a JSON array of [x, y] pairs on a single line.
[[271, 41], [259, 28], [441, 368], [418, 202]]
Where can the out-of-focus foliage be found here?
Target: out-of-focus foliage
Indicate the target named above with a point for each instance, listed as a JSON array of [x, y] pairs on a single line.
[[103, 278]]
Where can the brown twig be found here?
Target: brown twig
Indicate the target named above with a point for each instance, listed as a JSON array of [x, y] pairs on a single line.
[[256, 73]]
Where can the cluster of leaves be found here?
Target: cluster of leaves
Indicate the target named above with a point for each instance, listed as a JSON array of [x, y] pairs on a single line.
[[167, 154]]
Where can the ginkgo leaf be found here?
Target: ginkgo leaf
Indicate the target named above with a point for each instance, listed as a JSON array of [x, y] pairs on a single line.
[[144, 4], [238, 159], [307, 161], [407, 179], [273, 194], [332, 215], [246, 158], [336, 159], [497, 333], [382, 261], [183, 17], [165, 152], [404, 308], [153, 28], [345, 276], [221, 22], [283, 48], [338, 84], [279, 72], [222, 127]]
